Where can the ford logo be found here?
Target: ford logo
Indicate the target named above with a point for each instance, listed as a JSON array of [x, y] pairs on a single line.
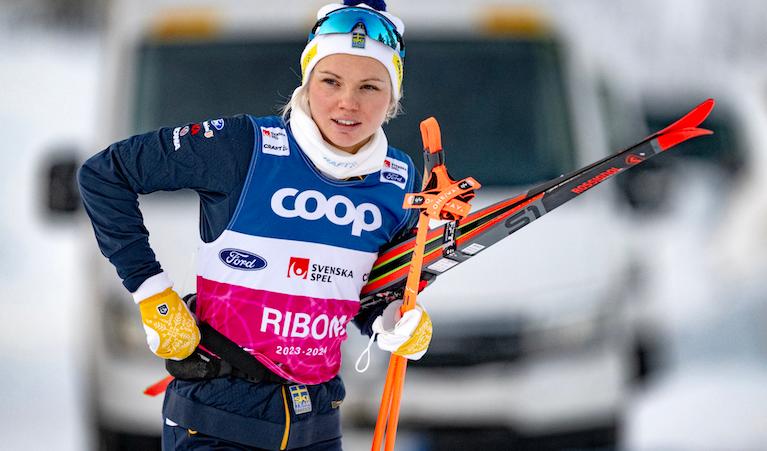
[[394, 177], [244, 260]]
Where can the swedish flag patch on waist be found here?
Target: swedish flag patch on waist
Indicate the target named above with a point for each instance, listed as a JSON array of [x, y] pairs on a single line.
[[302, 403]]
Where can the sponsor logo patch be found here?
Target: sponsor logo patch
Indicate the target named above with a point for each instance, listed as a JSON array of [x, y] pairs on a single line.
[[218, 124], [162, 309], [312, 205], [302, 403], [302, 268], [243, 260], [302, 325], [298, 267], [176, 138], [397, 62], [634, 159], [208, 132], [196, 128], [274, 141], [184, 130], [308, 58], [395, 172]]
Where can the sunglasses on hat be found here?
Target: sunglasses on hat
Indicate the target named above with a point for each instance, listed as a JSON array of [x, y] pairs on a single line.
[[352, 20]]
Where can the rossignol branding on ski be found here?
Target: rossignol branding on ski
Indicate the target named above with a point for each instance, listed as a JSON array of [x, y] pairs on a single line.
[[453, 243]]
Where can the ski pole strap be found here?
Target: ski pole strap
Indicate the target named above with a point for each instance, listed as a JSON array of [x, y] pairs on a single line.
[[442, 197]]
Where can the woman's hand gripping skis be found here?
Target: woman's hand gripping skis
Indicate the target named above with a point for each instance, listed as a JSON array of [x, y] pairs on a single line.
[[441, 198], [455, 242]]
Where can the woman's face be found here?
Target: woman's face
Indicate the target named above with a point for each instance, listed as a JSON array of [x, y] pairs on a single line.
[[348, 98]]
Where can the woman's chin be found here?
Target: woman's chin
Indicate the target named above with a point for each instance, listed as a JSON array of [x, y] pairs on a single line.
[[348, 143]]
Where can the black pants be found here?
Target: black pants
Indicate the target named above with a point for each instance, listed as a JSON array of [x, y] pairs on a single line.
[[233, 413], [176, 438]]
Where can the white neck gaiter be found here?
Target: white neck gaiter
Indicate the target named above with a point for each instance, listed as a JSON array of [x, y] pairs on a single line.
[[331, 161]]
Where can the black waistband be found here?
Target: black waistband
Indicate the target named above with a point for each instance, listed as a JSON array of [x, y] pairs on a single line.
[[232, 360]]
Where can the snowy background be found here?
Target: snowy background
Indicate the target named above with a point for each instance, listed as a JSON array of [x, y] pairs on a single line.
[[50, 69]]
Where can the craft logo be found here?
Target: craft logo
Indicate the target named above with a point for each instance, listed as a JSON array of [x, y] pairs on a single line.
[[302, 268], [243, 260], [634, 159], [274, 141], [298, 267]]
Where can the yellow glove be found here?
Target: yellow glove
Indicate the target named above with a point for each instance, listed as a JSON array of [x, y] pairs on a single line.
[[171, 330], [407, 335]]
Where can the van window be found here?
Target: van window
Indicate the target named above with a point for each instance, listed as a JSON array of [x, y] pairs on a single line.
[[500, 102]]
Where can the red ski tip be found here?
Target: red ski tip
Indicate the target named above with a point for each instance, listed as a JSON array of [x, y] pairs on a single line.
[[671, 139], [691, 119], [158, 387]]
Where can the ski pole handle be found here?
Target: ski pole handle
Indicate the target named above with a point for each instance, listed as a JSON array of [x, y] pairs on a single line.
[[432, 147]]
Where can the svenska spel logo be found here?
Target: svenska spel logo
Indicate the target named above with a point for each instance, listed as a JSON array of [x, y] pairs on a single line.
[[298, 267]]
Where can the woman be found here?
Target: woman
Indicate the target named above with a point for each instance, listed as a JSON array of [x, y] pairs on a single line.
[[293, 212]]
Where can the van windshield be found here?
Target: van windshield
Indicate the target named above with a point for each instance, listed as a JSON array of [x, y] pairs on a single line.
[[500, 102]]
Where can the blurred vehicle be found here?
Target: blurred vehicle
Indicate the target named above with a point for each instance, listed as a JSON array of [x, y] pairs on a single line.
[[704, 301], [523, 334]]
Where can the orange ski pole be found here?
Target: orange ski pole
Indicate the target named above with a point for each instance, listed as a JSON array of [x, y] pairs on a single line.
[[442, 198]]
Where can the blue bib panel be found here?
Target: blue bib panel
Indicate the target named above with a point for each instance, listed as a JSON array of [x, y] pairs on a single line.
[[286, 197]]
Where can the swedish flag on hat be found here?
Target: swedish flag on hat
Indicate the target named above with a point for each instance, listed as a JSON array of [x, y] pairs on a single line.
[[362, 28]]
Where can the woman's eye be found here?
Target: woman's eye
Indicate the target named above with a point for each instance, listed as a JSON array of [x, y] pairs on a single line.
[[330, 81], [370, 87]]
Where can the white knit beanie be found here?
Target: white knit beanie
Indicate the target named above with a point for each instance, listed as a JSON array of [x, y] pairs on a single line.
[[328, 44]]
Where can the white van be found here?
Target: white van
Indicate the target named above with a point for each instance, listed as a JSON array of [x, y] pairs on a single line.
[[529, 338], [708, 300]]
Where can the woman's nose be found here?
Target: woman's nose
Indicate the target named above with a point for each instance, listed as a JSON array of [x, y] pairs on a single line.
[[348, 99]]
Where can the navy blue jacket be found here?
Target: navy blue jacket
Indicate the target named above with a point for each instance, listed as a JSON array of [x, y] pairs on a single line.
[[167, 159]]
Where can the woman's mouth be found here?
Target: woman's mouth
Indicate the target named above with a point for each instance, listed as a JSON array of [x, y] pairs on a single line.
[[346, 122]]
